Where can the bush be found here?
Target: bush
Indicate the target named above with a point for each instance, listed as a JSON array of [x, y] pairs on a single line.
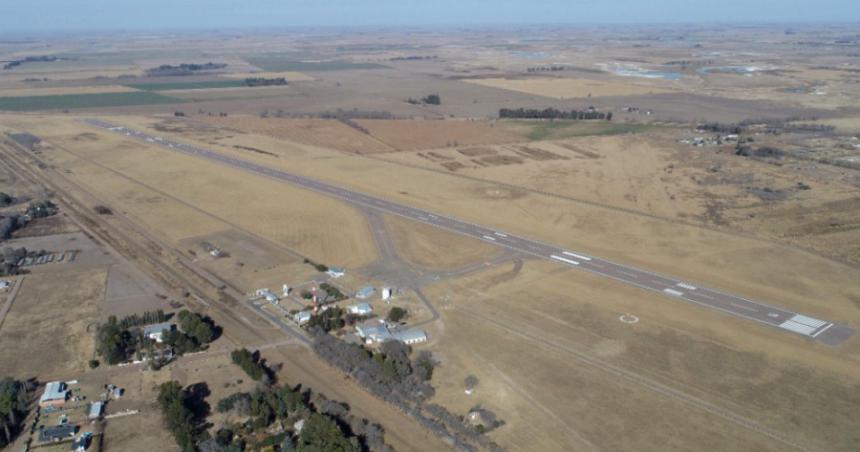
[[94, 363], [396, 314], [251, 364]]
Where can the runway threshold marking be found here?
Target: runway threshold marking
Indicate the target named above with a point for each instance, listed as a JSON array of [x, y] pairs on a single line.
[[578, 256], [565, 260]]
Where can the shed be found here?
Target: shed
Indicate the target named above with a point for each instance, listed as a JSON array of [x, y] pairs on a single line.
[[55, 394], [409, 337], [96, 409], [302, 317], [365, 292], [360, 309]]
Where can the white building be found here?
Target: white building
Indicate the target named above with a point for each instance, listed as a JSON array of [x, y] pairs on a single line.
[[360, 309], [302, 317], [156, 332], [4, 284], [386, 293], [376, 331], [286, 290], [336, 272]]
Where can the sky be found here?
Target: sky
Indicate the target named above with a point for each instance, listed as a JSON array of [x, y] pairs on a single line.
[[106, 15]]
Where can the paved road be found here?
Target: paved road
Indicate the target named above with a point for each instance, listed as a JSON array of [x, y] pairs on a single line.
[[818, 329]]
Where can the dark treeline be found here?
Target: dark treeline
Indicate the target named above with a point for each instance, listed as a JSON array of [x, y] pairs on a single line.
[[328, 425], [184, 412], [553, 68], [391, 375], [31, 59], [768, 125], [553, 113], [252, 364], [256, 81], [41, 209], [430, 99], [413, 58], [147, 318], [6, 199], [183, 69], [10, 257], [14, 398]]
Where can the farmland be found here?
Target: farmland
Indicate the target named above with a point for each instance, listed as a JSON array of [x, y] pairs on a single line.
[[692, 162]]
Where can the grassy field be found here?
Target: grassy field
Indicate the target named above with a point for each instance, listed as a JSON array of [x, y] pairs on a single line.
[[187, 85], [72, 101], [519, 332], [563, 88], [281, 64], [429, 247], [46, 333], [557, 130]]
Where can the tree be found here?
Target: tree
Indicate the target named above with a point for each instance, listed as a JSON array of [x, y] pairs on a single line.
[[5, 199], [396, 314], [321, 434], [178, 415], [471, 382], [251, 364]]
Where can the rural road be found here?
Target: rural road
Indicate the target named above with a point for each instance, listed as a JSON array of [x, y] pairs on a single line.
[[810, 327]]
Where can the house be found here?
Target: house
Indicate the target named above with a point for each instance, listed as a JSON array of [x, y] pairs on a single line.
[[5, 284], [286, 290], [272, 298], [360, 309], [156, 331], [409, 337], [336, 272], [56, 393], [302, 317], [96, 409], [365, 292], [57, 433], [386, 293]]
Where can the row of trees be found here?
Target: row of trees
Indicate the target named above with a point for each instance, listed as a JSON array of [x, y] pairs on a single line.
[[392, 376], [553, 68], [10, 257], [327, 424], [184, 411], [183, 69], [553, 113], [258, 81], [14, 397], [147, 318], [430, 99], [252, 364]]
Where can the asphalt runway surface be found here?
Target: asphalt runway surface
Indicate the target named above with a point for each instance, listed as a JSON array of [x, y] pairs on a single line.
[[810, 327]]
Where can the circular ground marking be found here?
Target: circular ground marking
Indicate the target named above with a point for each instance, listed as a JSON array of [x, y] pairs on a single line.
[[628, 318]]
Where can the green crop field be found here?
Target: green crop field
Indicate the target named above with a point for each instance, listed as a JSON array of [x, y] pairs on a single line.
[[71, 101], [188, 85], [274, 63], [556, 130]]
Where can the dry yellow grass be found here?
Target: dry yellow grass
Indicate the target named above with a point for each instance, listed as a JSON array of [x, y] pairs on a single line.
[[22, 92], [315, 132], [49, 330], [418, 134], [563, 88], [180, 197], [540, 342], [434, 248]]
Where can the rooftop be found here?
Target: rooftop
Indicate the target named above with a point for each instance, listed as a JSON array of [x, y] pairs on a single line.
[[55, 390], [157, 328]]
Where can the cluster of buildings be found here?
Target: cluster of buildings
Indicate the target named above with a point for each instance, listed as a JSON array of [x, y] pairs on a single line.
[[54, 398], [710, 141], [377, 331]]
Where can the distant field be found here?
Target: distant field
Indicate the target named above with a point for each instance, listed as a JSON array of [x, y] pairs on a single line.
[[291, 76], [278, 64], [563, 88], [63, 90], [188, 85], [32, 103], [556, 130]]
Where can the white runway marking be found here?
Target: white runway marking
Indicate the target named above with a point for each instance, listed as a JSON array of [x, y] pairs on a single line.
[[686, 286], [674, 292], [585, 258], [489, 238], [566, 261]]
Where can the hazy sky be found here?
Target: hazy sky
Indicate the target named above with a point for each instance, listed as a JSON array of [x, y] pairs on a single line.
[[62, 15]]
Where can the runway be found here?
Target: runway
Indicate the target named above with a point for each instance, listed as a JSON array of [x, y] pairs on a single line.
[[810, 327]]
